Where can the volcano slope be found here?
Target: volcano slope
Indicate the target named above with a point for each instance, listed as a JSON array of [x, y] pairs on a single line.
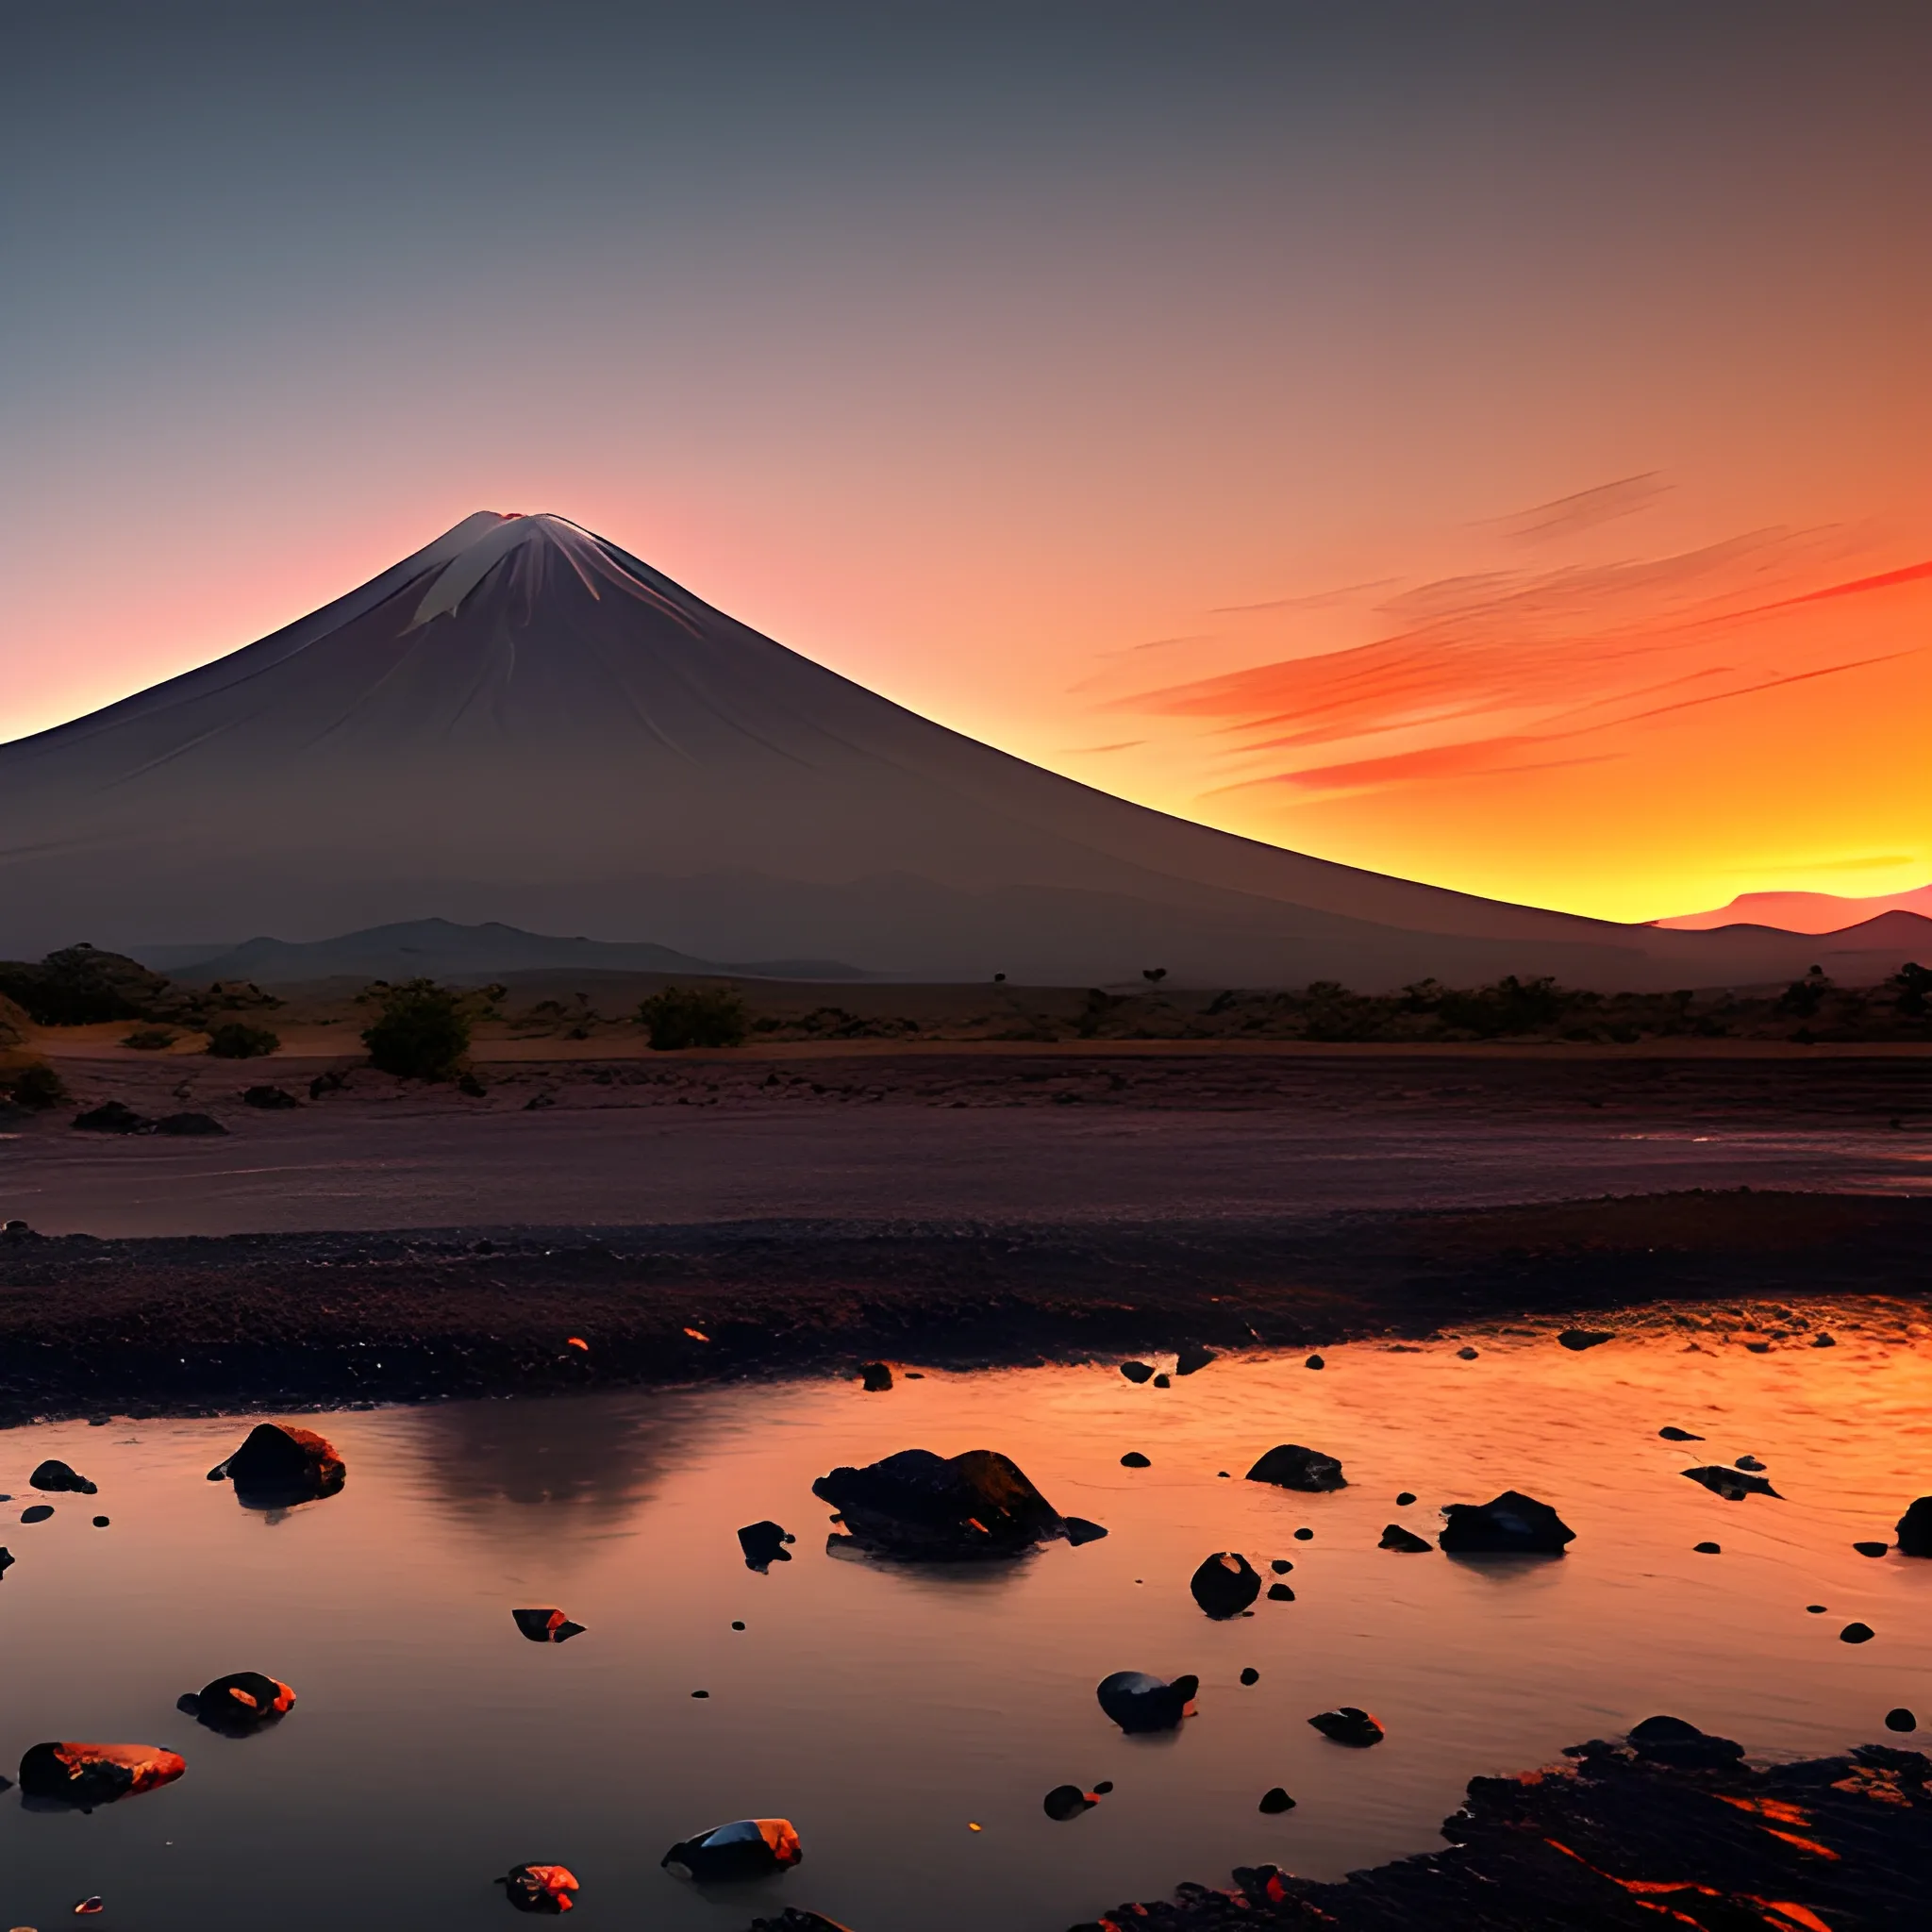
[[522, 723]]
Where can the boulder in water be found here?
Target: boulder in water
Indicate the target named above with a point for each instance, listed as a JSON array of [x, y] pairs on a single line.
[[748, 1848], [52, 1477], [1512, 1524], [1224, 1585], [1280, 1593], [1137, 1371], [763, 1544], [1396, 1537], [1138, 1702], [37, 1512], [1067, 1801], [1192, 1360], [5, 1559], [544, 1888], [1672, 1741], [1079, 1530], [1733, 1485], [278, 1466], [1274, 1801], [1349, 1724], [1134, 1459], [1580, 1338], [1671, 1433], [242, 1701], [1871, 1549], [876, 1377], [546, 1625], [1915, 1530], [1901, 1719], [1288, 1466], [1857, 1633], [916, 1504], [85, 1775]]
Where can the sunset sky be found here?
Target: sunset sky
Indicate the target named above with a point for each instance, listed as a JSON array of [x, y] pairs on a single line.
[[1486, 443]]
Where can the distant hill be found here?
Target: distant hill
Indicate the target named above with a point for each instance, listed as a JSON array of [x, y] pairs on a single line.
[[1802, 911], [438, 949], [522, 728]]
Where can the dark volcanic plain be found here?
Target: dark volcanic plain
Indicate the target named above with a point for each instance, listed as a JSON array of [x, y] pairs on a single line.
[[696, 1217]]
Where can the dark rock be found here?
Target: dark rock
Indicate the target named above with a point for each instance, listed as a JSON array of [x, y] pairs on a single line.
[[748, 1848], [794, 1920], [1251, 1675], [546, 1625], [876, 1378], [1747, 1462], [700, 1693], [186, 1126], [541, 1889], [37, 1512], [1857, 1633], [1136, 1702], [241, 1702], [1900, 1719], [1304, 1536], [1671, 1433], [1192, 1360], [52, 1477], [1404, 1499], [1871, 1549], [1224, 1585], [278, 1467], [100, 1522], [1510, 1524], [1672, 1741], [1814, 1610], [1314, 1361], [275, 1099], [1134, 1459], [1580, 1338], [763, 1544], [5, 1559], [1080, 1530], [112, 1118], [1733, 1485], [84, 1776], [1137, 1371], [1280, 1593], [1915, 1530], [1067, 1801], [1466, 1355], [1288, 1466], [1821, 1340], [917, 1504], [1274, 1801], [1164, 1382], [1281, 1566], [1349, 1725], [1396, 1537], [1708, 1549]]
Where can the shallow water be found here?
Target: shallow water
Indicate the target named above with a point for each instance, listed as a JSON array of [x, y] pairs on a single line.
[[886, 1710]]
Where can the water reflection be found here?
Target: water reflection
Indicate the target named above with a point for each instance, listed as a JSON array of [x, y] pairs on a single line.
[[550, 1469]]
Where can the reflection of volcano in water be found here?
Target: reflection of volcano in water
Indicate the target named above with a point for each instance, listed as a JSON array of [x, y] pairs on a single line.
[[523, 724], [510, 1467]]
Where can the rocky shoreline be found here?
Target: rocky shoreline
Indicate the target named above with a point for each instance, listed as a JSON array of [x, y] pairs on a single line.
[[1615, 1840], [172, 1326]]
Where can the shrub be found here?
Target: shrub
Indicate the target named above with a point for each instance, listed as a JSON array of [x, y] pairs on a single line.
[[80, 986], [421, 1034], [1914, 985], [695, 1016], [149, 1039], [35, 1086], [235, 1039]]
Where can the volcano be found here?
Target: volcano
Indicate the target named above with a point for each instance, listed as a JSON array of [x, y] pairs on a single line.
[[522, 723]]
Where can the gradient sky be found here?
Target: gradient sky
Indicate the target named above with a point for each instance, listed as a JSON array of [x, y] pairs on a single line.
[[1488, 444]]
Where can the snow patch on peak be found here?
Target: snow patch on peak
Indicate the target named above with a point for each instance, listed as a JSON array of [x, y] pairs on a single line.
[[470, 552]]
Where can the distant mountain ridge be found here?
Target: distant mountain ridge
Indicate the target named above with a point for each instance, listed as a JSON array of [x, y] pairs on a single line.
[[440, 949], [1817, 912], [523, 725]]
